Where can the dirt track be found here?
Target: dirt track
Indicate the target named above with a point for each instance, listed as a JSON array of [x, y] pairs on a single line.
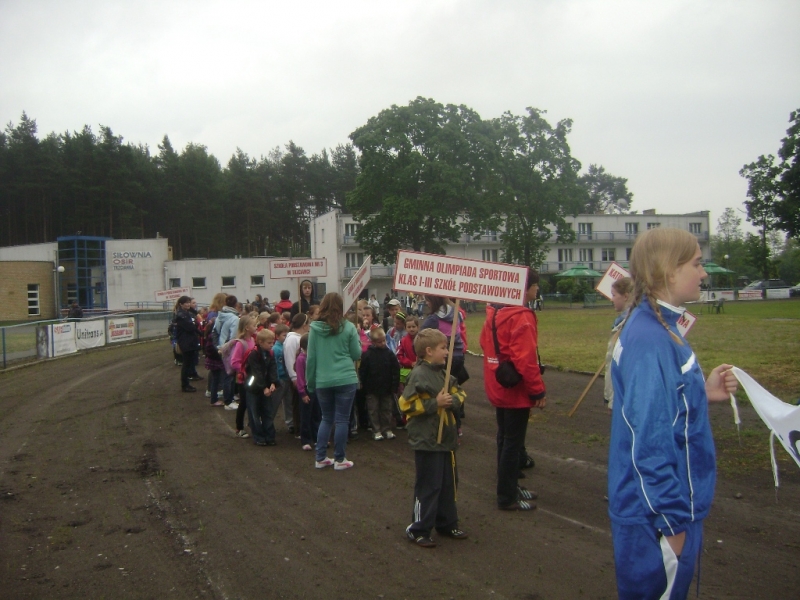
[[113, 484]]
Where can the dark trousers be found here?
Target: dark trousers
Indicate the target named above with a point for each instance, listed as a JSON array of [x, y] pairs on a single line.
[[310, 418], [512, 424], [187, 367], [215, 384], [261, 410], [434, 493], [239, 388]]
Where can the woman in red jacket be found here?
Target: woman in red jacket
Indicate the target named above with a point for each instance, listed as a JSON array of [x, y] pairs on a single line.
[[513, 329]]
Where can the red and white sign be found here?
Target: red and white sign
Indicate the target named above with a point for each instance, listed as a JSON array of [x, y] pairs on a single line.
[[463, 278], [612, 274], [284, 268], [749, 295], [686, 322], [121, 330], [62, 339], [357, 283], [172, 295]]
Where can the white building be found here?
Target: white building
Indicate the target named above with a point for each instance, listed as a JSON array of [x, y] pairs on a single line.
[[600, 239]]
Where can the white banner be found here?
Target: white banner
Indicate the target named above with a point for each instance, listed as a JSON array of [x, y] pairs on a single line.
[[121, 330], [283, 268], [777, 293], [686, 322], [612, 274], [749, 294], [357, 283], [90, 334], [172, 295], [782, 419], [463, 278], [62, 339], [710, 296]]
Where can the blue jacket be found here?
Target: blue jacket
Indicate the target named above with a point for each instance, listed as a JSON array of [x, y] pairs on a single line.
[[277, 352], [661, 463], [226, 324]]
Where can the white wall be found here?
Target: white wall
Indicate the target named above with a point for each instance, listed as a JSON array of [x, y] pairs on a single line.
[[326, 238], [35, 252], [242, 269], [134, 270]]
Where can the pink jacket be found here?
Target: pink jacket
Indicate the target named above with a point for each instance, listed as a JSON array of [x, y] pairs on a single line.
[[239, 351]]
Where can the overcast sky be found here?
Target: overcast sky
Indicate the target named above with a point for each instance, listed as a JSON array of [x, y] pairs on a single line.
[[673, 95]]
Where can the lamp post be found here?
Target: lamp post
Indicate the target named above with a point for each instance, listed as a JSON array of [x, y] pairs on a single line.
[[726, 257], [57, 289]]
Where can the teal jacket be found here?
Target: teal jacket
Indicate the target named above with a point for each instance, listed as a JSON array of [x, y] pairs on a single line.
[[331, 356]]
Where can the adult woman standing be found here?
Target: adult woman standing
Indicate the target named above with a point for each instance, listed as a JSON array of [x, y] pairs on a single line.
[[661, 463], [333, 346], [509, 335], [187, 339]]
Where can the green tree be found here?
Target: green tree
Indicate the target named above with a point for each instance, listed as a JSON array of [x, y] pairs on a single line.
[[763, 189], [607, 193], [539, 185], [423, 174], [729, 250], [788, 262], [788, 208]]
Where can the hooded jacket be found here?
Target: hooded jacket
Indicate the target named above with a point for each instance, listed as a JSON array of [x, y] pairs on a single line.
[[418, 403], [331, 356], [226, 324], [661, 461], [518, 337]]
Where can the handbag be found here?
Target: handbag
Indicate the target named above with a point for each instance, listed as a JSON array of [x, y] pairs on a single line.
[[506, 373]]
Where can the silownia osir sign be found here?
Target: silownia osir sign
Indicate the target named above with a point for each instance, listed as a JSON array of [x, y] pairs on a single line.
[[462, 278]]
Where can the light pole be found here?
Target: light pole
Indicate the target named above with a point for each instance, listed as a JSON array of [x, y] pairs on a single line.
[[727, 256], [56, 289]]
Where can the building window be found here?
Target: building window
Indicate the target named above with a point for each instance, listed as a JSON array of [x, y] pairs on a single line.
[[199, 282], [228, 281], [586, 255], [628, 253], [632, 229], [653, 225], [354, 259], [584, 231], [609, 254], [72, 293], [175, 282], [490, 255], [322, 236], [256, 281], [695, 228], [564, 256], [491, 236], [33, 300], [350, 229]]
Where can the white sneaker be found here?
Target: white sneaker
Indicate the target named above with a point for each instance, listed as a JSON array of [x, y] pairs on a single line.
[[236, 397], [342, 465], [389, 435], [325, 462], [208, 393], [232, 406], [378, 437]]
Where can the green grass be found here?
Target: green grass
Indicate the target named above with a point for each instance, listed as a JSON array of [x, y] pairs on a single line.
[[762, 338]]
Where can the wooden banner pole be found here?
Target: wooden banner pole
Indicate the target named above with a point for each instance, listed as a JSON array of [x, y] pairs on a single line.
[[453, 332], [586, 391]]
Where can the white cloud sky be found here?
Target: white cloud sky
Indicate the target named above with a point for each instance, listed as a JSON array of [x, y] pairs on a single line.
[[674, 95]]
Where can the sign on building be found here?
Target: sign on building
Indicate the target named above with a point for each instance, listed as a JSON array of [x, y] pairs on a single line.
[[357, 283], [172, 294], [283, 268], [121, 330]]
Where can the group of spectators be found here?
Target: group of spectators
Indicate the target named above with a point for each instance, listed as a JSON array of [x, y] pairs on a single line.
[[661, 464]]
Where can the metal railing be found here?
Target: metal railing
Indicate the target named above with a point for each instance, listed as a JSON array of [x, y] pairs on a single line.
[[26, 341]]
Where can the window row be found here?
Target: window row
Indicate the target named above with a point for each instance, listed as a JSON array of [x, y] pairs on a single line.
[[228, 281]]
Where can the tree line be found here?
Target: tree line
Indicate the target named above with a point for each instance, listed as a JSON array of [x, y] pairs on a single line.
[[414, 176]]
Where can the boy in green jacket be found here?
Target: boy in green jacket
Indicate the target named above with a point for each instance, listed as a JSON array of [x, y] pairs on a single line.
[[425, 402]]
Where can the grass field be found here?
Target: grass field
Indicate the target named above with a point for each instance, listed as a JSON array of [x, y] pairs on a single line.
[[762, 338]]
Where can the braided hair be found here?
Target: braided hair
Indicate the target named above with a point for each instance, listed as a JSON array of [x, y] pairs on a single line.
[[656, 255]]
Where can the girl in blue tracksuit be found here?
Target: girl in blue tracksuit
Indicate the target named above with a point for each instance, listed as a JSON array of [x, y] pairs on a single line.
[[661, 468]]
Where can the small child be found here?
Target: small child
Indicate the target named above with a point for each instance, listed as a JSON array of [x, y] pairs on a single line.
[[261, 379], [272, 321], [310, 413], [262, 321], [379, 373], [283, 389], [405, 350], [620, 293], [286, 318], [426, 401], [397, 332], [313, 312]]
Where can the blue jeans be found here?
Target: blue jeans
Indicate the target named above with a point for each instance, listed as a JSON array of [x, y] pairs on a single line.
[[215, 384], [228, 386], [335, 403]]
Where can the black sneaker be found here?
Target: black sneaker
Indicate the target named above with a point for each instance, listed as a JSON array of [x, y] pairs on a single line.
[[189, 388], [420, 540], [456, 534], [526, 494]]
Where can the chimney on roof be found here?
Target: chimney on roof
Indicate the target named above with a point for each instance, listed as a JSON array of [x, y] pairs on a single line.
[[649, 211]]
